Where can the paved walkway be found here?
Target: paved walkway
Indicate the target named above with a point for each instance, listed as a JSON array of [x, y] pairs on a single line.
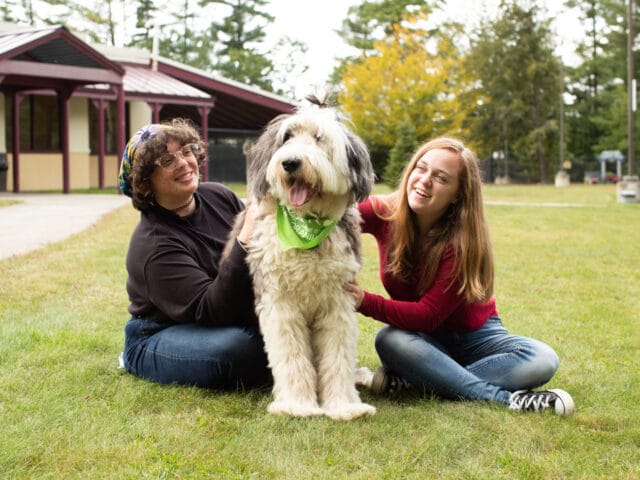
[[40, 219]]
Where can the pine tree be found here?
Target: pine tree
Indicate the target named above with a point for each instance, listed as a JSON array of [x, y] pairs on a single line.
[[367, 21], [239, 34], [372, 21], [180, 41], [145, 13]]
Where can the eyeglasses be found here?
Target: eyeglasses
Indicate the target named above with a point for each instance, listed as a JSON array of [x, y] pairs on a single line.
[[170, 160]]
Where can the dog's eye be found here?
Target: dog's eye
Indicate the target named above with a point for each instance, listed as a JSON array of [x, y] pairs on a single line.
[[318, 137], [286, 137]]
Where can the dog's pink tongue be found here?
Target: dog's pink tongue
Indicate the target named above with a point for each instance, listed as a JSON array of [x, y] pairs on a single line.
[[299, 194]]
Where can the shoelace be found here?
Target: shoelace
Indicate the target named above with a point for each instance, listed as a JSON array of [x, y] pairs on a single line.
[[533, 401], [397, 384]]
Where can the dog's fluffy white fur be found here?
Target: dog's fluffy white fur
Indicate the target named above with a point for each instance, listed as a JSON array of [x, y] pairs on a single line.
[[313, 164]]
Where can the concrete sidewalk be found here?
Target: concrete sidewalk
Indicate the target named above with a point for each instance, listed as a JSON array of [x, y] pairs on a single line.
[[40, 219]]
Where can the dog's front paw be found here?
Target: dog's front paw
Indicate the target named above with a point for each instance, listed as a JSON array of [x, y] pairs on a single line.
[[349, 411], [294, 409]]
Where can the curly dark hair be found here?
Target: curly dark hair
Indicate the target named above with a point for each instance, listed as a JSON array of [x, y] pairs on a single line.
[[178, 129]]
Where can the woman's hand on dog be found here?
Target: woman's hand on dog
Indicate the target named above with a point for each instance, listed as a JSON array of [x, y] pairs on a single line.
[[354, 289], [247, 226]]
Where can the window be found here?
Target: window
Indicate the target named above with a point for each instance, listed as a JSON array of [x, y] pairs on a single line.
[[110, 124], [39, 123]]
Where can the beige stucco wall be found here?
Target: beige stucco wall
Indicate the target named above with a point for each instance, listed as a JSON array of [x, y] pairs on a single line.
[[111, 165], [79, 125], [43, 171], [80, 164], [79, 170], [111, 170], [140, 114], [38, 171]]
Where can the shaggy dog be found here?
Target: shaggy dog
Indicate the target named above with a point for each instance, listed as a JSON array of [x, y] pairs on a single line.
[[306, 171]]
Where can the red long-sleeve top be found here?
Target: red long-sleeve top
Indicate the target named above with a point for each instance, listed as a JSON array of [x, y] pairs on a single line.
[[439, 308]]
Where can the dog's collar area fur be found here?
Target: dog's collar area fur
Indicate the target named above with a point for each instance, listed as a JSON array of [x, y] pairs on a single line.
[[299, 232]]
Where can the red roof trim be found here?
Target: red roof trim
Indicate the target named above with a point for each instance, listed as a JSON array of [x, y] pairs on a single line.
[[207, 82], [170, 99], [56, 71]]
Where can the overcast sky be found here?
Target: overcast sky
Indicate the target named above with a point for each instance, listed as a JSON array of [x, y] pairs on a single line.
[[315, 21]]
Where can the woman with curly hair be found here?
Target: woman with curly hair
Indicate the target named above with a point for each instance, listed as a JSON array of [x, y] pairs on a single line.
[[192, 317]]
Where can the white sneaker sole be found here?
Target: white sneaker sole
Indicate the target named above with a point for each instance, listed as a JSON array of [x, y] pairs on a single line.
[[564, 403], [379, 381]]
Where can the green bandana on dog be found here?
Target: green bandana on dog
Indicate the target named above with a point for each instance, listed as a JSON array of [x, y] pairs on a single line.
[[301, 232]]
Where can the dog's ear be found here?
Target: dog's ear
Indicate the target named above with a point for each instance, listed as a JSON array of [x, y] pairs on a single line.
[[362, 177], [259, 156]]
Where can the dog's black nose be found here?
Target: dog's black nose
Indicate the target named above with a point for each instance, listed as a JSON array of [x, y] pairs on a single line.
[[291, 165]]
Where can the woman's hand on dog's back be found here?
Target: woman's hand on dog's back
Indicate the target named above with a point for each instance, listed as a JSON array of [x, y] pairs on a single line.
[[247, 227], [354, 289]]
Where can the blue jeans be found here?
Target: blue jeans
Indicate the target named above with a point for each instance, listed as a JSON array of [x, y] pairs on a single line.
[[211, 357], [485, 364]]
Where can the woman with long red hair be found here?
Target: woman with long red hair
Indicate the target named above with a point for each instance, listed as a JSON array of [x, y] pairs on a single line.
[[444, 335]]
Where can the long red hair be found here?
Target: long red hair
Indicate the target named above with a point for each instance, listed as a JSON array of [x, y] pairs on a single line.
[[462, 227]]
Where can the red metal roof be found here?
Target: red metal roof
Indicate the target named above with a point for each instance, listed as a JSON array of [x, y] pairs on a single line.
[[209, 81], [144, 84], [143, 80], [238, 106]]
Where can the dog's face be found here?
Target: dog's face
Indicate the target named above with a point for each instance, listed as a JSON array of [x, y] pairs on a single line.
[[311, 163]]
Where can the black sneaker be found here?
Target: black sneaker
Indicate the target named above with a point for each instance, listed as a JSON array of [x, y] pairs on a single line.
[[384, 382], [557, 400]]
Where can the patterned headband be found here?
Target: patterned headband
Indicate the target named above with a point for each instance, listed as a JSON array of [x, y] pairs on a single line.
[[143, 135]]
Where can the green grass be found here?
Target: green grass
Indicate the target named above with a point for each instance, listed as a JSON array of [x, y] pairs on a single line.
[[568, 276]]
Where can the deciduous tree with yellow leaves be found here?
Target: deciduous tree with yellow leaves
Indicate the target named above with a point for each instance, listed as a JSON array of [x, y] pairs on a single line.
[[415, 77]]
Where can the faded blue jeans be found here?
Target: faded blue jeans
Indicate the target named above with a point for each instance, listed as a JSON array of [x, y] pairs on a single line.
[[211, 357], [485, 364]]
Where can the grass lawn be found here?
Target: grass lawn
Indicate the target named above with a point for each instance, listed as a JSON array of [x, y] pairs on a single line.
[[568, 275]]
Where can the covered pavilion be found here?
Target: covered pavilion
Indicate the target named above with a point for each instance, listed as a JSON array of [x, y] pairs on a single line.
[[68, 107]]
